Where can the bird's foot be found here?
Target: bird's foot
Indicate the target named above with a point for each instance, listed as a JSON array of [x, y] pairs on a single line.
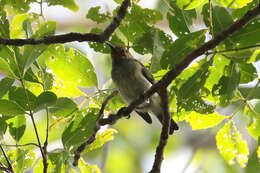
[[122, 112]]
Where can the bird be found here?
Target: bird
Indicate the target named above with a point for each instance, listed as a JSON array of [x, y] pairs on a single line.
[[132, 79]]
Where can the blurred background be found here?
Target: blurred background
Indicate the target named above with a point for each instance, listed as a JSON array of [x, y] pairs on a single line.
[[133, 148]]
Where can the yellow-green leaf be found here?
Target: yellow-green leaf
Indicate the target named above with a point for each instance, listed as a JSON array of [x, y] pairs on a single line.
[[231, 145], [203, 121]]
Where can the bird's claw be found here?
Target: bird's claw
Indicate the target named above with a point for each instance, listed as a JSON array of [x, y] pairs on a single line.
[[122, 112]]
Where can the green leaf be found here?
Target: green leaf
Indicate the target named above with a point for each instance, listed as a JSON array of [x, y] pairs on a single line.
[[3, 127], [253, 162], [21, 6], [231, 145], [17, 94], [30, 76], [189, 4], [4, 24], [27, 28], [151, 40], [79, 129], [221, 20], [44, 100], [254, 128], [248, 35], [228, 84], [70, 4], [5, 85], [32, 52], [63, 107], [22, 159], [101, 139], [4, 67], [95, 15], [203, 121], [9, 108], [180, 20], [240, 12], [195, 82], [85, 167], [254, 106], [234, 3], [58, 162], [70, 66], [248, 73], [17, 127], [181, 48]]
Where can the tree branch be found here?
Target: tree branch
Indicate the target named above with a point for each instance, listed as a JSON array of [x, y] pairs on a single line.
[[164, 133], [174, 72], [96, 128], [69, 37]]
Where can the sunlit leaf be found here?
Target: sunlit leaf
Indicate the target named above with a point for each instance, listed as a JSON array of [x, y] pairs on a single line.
[[70, 66], [254, 128], [86, 168], [101, 139], [181, 48], [231, 145], [17, 127], [234, 3], [189, 4], [203, 121], [240, 12]]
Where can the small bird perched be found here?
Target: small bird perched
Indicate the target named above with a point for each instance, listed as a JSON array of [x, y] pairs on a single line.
[[132, 79]]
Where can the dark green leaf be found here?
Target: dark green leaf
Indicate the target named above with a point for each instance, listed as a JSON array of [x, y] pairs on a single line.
[[253, 163], [95, 15], [17, 94], [70, 4], [9, 108], [79, 129], [4, 24], [227, 84], [44, 100], [27, 28], [63, 107], [248, 35], [58, 161], [181, 48], [5, 84], [248, 73], [254, 93], [180, 20], [30, 76], [17, 127], [3, 127], [221, 20], [195, 82]]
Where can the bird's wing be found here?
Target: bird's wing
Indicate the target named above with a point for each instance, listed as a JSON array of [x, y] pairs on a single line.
[[146, 73]]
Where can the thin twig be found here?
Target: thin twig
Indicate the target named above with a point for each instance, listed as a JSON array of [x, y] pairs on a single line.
[[10, 168], [69, 37], [96, 128], [164, 133]]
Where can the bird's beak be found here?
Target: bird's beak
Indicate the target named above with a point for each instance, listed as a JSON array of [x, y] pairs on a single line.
[[112, 47]]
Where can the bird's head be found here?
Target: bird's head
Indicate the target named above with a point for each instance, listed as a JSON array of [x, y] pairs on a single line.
[[118, 52]]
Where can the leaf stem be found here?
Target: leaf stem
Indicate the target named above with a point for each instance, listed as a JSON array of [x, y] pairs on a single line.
[[10, 168]]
